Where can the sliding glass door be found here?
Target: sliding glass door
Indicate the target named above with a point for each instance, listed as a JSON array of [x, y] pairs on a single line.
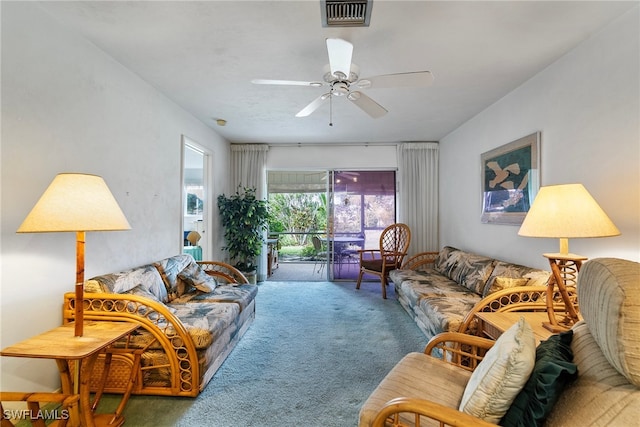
[[362, 204], [321, 219]]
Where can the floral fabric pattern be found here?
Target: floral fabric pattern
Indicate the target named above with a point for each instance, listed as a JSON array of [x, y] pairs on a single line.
[[169, 269], [444, 263], [146, 276], [471, 271], [438, 299], [242, 295], [514, 271], [214, 316], [194, 277]]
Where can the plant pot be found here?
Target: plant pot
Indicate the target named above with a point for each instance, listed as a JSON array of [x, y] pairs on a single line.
[[251, 276]]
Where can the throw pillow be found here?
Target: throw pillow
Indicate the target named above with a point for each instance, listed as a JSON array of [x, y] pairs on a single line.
[[499, 283], [502, 373], [142, 310], [552, 372], [193, 276]]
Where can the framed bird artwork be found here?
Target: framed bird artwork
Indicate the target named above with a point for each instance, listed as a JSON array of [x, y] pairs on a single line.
[[510, 180]]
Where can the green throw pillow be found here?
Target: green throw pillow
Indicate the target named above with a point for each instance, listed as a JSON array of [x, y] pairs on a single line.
[[553, 370]]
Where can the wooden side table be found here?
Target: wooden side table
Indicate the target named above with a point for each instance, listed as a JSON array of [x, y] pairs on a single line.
[[493, 324], [61, 345]]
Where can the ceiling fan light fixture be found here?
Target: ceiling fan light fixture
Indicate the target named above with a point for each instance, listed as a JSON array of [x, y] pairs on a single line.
[[340, 89], [353, 96], [364, 84]]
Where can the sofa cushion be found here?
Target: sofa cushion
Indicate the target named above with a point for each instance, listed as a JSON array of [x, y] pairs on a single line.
[[499, 283], [205, 321], [416, 284], [515, 271], [444, 263], [194, 277], [145, 276], [445, 313], [242, 295], [169, 268], [501, 375], [413, 377], [553, 370], [471, 270], [609, 295]]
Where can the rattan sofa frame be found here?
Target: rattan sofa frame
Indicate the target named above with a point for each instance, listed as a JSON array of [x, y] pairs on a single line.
[[167, 331]]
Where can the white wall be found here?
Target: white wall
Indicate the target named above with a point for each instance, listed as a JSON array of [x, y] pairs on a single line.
[[68, 107], [587, 107], [332, 157]]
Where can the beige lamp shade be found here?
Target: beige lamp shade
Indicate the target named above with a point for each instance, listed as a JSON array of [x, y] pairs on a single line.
[[75, 202], [564, 212], [193, 237]]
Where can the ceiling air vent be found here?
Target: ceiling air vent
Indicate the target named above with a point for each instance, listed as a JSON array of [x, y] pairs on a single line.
[[346, 13]]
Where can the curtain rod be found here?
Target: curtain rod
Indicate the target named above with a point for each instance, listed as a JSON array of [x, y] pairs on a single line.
[[344, 144]]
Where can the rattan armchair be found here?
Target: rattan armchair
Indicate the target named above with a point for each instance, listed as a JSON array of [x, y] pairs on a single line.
[[394, 243], [462, 352]]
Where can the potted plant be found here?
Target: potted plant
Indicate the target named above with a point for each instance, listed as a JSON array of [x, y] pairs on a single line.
[[244, 218]]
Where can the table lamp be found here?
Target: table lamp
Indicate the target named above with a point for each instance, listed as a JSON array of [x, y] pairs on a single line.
[[79, 203], [564, 212]]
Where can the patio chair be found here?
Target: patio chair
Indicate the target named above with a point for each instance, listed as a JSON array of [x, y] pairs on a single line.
[[394, 243], [320, 254]]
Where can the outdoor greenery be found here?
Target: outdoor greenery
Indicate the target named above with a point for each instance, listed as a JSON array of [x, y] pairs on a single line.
[[296, 217], [244, 218], [297, 213]]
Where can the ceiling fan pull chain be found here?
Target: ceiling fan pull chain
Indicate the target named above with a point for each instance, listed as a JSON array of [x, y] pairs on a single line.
[[330, 109]]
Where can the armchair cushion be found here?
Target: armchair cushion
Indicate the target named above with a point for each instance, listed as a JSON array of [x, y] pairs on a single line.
[[552, 371], [613, 312], [372, 264], [501, 375], [414, 377]]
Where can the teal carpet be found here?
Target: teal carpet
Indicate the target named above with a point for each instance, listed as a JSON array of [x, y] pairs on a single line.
[[311, 358]]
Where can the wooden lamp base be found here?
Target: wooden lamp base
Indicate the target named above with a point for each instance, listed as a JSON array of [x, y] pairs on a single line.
[[564, 269]]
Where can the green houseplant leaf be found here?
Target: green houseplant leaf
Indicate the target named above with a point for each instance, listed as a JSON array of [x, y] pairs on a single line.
[[244, 218]]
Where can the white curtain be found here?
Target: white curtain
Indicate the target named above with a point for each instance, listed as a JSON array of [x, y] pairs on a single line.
[[418, 194], [248, 167], [248, 170]]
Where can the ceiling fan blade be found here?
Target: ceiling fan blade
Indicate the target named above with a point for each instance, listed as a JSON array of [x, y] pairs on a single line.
[[412, 79], [367, 104], [286, 83], [340, 53], [313, 106]]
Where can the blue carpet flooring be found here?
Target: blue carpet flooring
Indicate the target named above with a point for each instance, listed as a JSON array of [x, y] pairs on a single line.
[[311, 358]]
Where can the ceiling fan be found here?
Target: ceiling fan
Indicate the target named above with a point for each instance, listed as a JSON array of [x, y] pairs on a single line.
[[343, 80]]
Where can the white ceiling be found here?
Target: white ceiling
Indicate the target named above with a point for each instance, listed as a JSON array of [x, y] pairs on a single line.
[[203, 55]]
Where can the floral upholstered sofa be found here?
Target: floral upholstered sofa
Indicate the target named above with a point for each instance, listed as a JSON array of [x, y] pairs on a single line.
[[191, 316], [438, 289]]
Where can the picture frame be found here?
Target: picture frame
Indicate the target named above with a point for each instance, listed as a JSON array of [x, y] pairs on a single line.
[[510, 180]]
